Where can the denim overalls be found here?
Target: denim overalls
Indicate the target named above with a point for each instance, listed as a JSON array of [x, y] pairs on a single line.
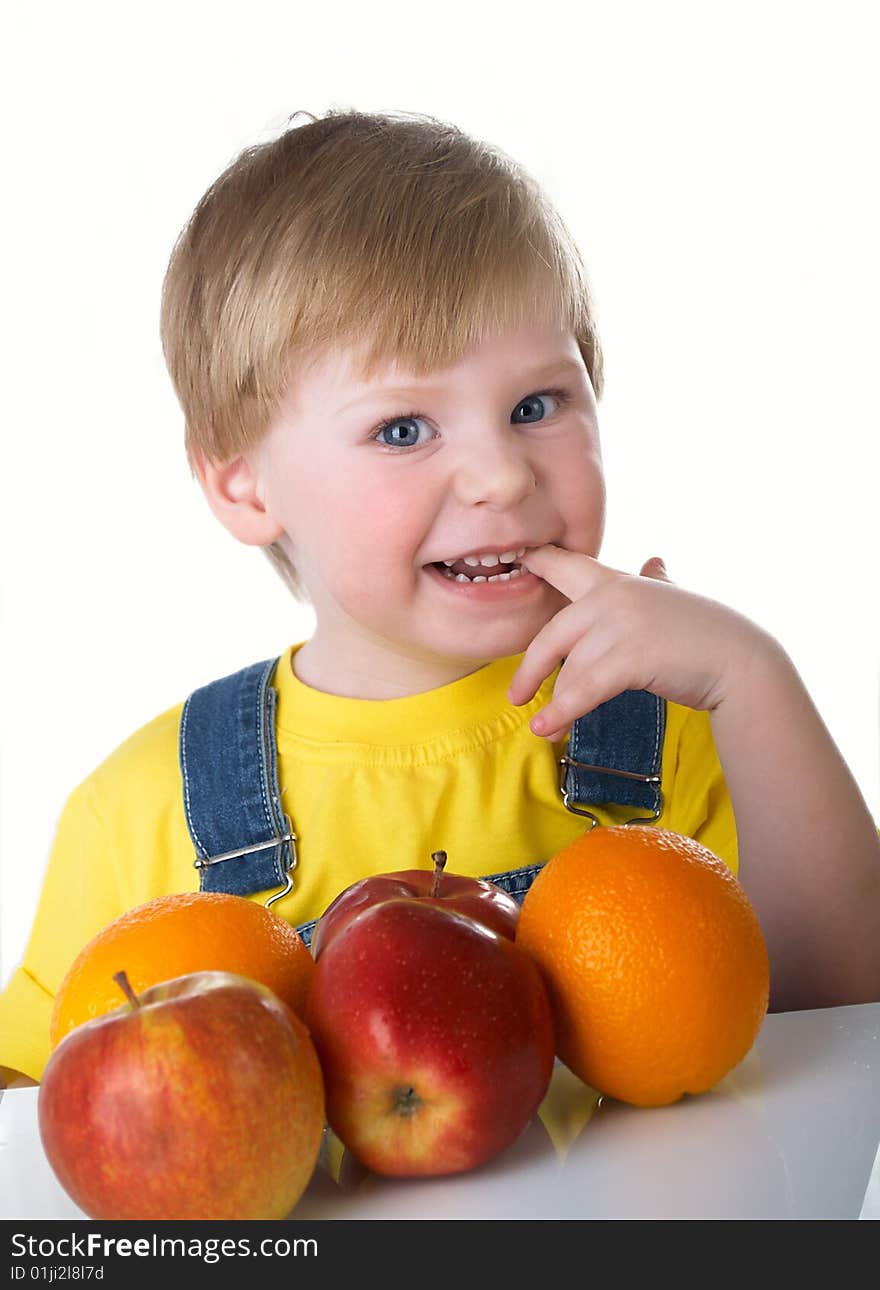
[[245, 843]]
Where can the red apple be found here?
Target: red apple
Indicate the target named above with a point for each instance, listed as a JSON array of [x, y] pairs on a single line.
[[435, 1038], [202, 1099], [476, 897]]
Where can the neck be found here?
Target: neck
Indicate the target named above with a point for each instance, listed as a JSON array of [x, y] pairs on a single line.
[[371, 671]]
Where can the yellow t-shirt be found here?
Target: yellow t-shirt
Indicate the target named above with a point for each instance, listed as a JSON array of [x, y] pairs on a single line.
[[369, 785]]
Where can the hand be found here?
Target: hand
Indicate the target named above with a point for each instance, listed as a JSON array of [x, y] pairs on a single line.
[[628, 632]]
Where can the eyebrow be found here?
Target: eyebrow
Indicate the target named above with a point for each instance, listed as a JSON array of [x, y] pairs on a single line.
[[545, 370]]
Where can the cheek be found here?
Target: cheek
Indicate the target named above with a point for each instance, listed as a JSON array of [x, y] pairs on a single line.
[[376, 532], [392, 520], [580, 496], [348, 515]]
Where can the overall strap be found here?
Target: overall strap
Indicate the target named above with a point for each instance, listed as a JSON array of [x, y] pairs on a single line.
[[615, 754], [613, 759], [244, 842]]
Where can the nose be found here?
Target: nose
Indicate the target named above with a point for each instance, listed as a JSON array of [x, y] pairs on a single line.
[[496, 471]]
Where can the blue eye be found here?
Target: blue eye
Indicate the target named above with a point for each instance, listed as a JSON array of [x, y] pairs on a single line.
[[532, 400], [404, 433]]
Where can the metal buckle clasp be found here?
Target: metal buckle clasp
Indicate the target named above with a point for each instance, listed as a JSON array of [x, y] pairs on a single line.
[[289, 836], [566, 761]]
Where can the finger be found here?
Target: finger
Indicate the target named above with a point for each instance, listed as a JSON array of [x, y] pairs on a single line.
[[571, 572], [599, 678], [555, 639], [655, 568], [567, 692]]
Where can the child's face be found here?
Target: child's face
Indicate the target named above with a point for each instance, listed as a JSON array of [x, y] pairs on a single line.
[[478, 458]]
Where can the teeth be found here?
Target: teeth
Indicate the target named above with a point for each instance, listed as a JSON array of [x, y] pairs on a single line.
[[496, 577], [490, 559]]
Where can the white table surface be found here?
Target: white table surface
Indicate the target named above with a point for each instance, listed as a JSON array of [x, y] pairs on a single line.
[[793, 1132]]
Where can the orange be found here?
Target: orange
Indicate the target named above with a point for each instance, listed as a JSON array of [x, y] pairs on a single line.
[[654, 959], [173, 935]]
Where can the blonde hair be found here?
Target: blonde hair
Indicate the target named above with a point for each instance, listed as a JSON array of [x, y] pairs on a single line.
[[394, 234]]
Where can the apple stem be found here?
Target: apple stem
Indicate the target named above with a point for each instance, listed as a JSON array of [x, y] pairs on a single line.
[[439, 858], [122, 981]]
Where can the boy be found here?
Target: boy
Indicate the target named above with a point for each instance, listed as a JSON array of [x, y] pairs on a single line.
[[382, 339]]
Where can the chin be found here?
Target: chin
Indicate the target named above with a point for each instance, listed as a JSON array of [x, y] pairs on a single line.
[[479, 648]]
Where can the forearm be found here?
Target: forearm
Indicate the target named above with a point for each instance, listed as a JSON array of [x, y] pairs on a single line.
[[809, 855]]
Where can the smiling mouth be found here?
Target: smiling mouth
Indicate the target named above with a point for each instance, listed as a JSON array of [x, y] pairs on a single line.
[[459, 572], [486, 567]]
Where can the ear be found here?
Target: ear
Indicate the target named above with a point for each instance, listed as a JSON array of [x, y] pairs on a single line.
[[233, 493]]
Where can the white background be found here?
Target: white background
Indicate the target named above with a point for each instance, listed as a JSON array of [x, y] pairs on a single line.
[[717, 165]]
